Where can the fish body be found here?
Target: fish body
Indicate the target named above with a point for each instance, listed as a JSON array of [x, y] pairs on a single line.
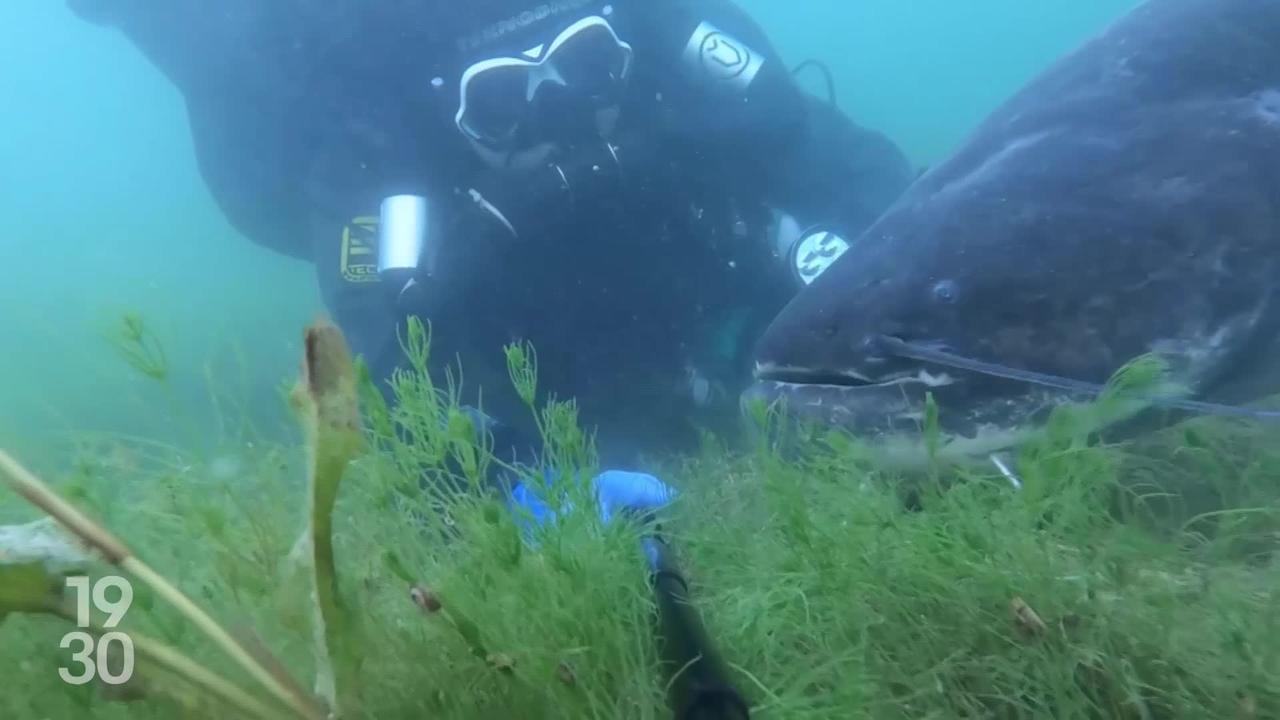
[[1125, 202]]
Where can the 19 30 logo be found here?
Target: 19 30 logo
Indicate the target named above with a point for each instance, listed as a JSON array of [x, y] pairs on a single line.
[[108, 656]]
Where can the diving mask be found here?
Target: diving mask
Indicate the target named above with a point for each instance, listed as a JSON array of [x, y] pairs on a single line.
[[503, 100]]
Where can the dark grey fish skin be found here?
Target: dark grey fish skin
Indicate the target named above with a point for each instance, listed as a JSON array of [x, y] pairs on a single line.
[[1126, 201]]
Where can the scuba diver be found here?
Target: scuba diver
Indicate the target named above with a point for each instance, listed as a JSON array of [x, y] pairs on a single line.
[[635, 187]]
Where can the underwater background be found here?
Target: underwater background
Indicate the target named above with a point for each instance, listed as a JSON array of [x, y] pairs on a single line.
[[105, 214]]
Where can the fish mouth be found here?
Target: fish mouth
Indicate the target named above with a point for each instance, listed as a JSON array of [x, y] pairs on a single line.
[[889, 408], [849, 399], [850, 378]]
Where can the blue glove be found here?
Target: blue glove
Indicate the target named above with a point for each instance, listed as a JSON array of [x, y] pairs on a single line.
[[615, 491]]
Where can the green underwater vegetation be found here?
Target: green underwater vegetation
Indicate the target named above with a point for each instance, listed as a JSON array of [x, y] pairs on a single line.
[[361, 571]]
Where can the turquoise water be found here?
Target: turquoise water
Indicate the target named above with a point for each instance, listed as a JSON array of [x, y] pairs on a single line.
[[927, 71], [105, 212]]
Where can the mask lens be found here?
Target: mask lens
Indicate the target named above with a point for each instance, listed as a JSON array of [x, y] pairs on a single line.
[[582, 70], [496, 101], [591, 62]]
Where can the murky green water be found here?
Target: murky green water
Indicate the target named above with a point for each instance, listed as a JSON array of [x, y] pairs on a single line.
[[104, 210]]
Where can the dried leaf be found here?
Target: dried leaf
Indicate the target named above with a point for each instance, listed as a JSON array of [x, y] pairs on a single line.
[[1025, 617], [327, 400], [564, 671], [425, 598], [33, 559], [26, 587], [501, 661]]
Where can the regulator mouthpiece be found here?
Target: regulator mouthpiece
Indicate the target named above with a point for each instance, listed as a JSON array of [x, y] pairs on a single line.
[[403, 234]]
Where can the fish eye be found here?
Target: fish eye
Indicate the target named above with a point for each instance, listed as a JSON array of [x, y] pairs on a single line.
[[945, 291]]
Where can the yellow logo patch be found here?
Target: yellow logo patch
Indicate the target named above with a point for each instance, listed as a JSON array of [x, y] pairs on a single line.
[[359, 258]]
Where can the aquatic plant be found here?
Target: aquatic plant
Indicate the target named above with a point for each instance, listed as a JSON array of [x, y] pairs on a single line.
[[135, 342], [1122, 580]]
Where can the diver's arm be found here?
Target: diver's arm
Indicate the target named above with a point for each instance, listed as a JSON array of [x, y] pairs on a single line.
[[248, 148], [833, 172], [734, 96], [250, 177]]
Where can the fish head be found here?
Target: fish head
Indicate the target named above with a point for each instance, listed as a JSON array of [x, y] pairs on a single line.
[[1040, 256], [1121, 204], [922, 277]]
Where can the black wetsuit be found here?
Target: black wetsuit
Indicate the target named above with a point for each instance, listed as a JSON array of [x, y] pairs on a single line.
[[305, 115]]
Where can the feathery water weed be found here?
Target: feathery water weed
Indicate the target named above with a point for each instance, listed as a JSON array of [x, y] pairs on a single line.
[[1123, 580]]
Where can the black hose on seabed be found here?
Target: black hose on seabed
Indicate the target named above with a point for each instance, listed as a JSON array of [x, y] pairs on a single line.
[[700, 687]]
